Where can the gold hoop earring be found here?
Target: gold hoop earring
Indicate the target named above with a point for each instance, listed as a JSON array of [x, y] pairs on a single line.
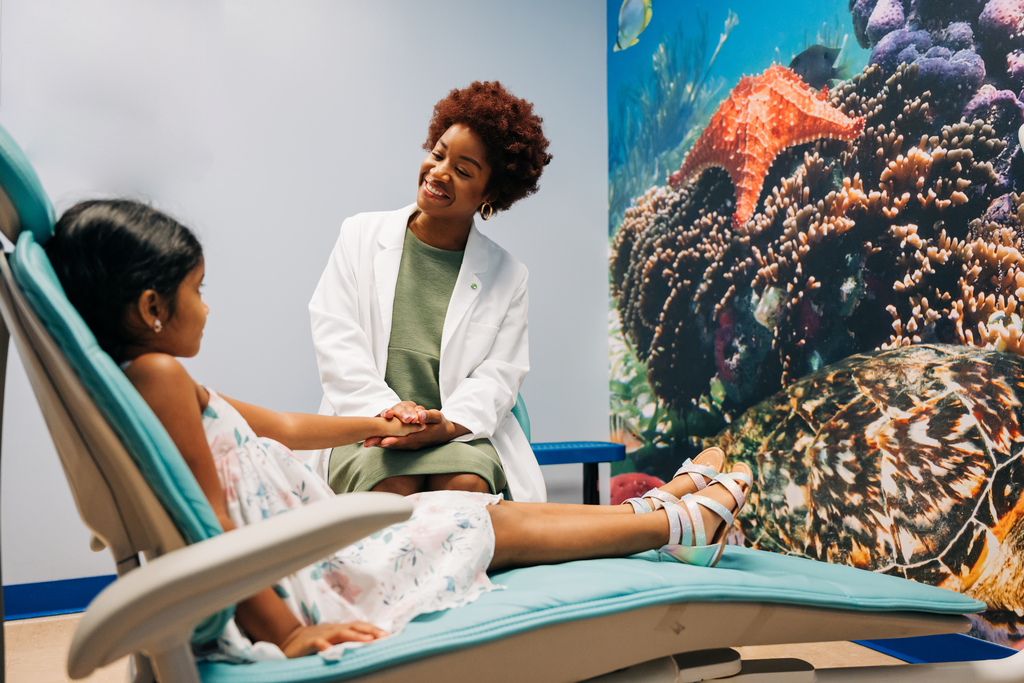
[[486, 211], [157, 326]]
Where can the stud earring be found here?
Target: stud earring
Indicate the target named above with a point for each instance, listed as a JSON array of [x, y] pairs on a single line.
[[157, 326], [486, 211]]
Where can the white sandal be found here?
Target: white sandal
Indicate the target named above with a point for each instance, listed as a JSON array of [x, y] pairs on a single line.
[[702, 470], [687, 541]]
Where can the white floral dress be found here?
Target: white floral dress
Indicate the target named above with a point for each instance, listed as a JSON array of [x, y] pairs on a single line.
[[436, 560]]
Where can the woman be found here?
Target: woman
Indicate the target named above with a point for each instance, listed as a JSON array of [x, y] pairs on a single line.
[[419, 316]]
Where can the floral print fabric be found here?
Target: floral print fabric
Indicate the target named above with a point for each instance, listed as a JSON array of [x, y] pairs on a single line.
[[436, 560]]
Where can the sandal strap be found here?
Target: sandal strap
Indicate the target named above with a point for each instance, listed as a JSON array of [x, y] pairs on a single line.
[[691, 500], [640, 506], [674, 524], [680, 530], [660, 498], [728, 480], [716, 507], [700, 474]]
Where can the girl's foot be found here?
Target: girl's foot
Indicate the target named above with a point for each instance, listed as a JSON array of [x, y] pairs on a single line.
[[714, 511], [692, 477]]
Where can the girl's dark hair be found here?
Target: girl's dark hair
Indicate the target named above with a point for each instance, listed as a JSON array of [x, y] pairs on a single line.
[[106, 253], [511, 132]]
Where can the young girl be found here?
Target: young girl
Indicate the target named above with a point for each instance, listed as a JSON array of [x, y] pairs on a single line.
[[135, 275]]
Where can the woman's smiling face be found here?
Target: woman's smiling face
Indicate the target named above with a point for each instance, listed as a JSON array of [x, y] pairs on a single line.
[[453, 176]]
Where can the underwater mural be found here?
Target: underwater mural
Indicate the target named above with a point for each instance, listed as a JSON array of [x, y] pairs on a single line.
[[819, 268]]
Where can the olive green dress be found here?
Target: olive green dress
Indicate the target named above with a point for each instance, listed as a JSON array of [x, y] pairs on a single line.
[[426, 279]]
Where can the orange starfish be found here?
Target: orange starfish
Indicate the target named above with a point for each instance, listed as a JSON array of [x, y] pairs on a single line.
[[762, 116]]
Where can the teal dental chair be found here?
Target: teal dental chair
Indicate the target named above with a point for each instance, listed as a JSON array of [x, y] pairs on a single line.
[[561, 623]]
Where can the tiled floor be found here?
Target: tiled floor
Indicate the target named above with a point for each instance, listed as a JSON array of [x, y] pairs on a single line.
[[37, 649]]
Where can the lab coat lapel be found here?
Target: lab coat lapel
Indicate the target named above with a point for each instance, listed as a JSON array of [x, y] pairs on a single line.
[[468, 286], [385, 267]]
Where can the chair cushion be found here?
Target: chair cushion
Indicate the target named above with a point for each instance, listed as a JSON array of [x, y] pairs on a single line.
[[22, 185], [543, 596], [140, 431]]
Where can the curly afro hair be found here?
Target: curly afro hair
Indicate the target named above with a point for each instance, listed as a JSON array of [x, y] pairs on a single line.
[[516, 146]]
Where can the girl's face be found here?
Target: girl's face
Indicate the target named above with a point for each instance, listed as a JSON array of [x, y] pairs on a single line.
[[453, 177], [182, 333]]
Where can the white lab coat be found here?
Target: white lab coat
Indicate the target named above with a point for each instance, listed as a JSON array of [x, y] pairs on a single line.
[[484, 344]]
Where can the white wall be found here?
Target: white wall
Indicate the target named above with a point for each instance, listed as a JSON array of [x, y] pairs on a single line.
[[263, 125]]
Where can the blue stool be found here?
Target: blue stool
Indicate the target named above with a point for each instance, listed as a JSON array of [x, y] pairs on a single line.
[[562, 452], [587, 452]]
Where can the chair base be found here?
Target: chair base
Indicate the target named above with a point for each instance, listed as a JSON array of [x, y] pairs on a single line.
[[580, 650], [726, 665]]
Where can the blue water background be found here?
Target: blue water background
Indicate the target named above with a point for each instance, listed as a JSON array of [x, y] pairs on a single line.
[[766, 32]]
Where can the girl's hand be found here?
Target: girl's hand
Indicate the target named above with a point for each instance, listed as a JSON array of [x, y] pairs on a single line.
[[395, 427], [306, 640]]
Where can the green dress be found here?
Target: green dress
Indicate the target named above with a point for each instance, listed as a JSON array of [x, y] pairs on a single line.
[[426, 279]]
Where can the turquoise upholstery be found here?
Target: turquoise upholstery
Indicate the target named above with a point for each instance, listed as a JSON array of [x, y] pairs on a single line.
[[519, 412], [18, 179], [542, 596], [141, 433]]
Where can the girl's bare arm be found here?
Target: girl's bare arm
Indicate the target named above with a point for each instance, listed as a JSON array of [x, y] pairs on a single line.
[[301, 431]]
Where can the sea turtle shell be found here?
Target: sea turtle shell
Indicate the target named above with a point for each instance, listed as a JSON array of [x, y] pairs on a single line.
[[906, 462]]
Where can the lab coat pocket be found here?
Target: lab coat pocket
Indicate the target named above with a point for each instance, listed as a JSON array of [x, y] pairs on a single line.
[[486, 330], [476, 344]]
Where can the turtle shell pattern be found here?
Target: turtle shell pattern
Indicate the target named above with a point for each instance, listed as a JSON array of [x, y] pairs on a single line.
[[906, 462]]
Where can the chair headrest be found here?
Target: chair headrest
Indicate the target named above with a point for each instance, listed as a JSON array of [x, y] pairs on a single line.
[[23, 203], [142, 434]]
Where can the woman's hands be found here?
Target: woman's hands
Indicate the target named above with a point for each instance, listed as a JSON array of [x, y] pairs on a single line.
[[305, 640], [435, 428], [407, 411]]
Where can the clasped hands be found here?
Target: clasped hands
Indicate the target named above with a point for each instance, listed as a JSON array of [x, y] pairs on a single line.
[[437, 429]]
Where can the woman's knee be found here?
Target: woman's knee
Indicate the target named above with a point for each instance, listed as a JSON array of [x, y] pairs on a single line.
[[403, 485], [458, 481]]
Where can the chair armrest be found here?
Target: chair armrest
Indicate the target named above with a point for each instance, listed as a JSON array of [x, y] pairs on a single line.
[[159, 604]]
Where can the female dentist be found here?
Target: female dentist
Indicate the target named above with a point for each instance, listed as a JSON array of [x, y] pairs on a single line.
[[421, 316]]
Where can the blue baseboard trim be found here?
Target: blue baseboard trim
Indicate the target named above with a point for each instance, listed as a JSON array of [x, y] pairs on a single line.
[[49, 598], [949, 647]]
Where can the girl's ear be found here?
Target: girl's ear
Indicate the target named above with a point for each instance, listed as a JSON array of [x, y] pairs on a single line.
[[151, 308]]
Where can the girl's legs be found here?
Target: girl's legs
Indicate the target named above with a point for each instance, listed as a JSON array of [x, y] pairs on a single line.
[[527, 534]]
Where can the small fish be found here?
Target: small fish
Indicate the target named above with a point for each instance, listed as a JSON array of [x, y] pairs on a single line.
[[622, 432], [815, 65], [1020, 136], [634, 15]]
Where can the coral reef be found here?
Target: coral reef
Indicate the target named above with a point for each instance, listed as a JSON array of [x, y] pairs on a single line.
[[956, 45], [889, 227], [907, 462], [1001, 25], [762, 116], [887, 16]]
